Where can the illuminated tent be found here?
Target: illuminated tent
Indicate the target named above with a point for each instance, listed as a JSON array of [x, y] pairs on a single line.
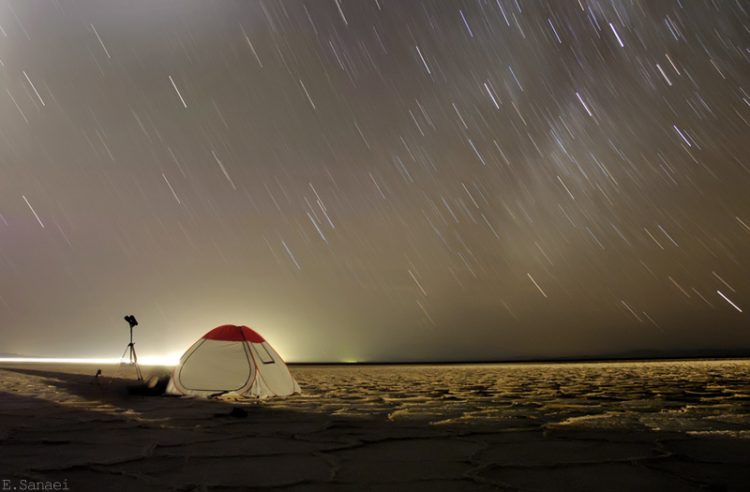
[[232, 359]]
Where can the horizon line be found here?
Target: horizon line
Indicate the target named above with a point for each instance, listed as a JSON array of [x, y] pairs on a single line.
[[169, 361]]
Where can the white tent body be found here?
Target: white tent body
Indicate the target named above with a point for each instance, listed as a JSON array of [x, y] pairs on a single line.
[[232, 360]]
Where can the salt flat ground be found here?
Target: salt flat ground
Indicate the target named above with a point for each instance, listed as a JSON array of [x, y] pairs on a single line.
[[642, 426]]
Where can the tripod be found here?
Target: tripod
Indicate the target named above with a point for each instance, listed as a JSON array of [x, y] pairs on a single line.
[[132, 357]]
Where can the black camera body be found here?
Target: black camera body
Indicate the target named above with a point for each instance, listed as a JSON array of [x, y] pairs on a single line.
[[131, 320]]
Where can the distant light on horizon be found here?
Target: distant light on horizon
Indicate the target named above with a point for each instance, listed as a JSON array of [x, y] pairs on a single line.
[[148, 360]]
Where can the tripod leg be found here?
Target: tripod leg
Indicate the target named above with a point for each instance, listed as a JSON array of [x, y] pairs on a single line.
[[134, 359]]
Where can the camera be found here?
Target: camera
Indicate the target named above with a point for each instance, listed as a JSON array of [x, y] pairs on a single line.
[[131, 320]]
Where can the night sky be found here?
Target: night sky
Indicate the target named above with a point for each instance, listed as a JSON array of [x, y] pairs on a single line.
[[376, 180]]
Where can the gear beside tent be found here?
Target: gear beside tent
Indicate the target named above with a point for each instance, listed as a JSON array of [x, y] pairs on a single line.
[[232, 359]]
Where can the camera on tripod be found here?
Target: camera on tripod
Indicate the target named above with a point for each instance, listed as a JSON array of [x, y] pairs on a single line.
[[132, 358]]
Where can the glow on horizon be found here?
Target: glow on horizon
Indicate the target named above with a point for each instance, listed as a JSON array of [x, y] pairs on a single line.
[[147, 360]]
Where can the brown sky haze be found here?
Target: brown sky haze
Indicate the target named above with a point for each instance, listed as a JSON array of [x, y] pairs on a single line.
[[375, 180]]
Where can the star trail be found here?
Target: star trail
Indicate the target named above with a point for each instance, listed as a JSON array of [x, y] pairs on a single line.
[[376, 180]]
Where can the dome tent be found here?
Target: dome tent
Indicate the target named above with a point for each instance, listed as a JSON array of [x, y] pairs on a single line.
[[232, 359]]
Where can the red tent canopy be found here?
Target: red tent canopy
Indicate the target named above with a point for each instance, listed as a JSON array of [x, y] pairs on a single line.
[[233, 333]]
